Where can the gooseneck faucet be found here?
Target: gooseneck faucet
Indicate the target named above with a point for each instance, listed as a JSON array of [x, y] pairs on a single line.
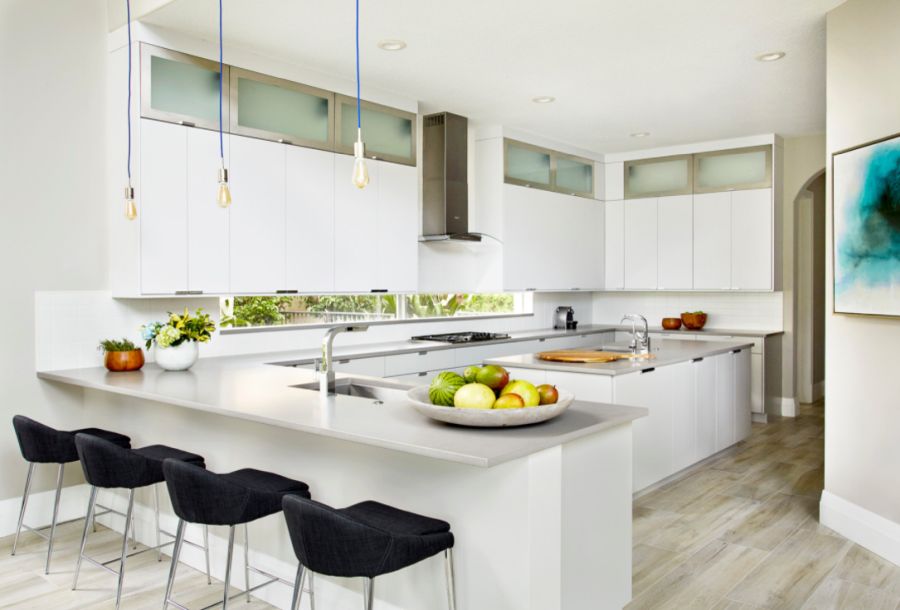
[[326, 364], [640, 339]]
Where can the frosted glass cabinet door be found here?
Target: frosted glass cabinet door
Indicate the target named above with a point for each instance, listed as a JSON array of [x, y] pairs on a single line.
[[277, 109], [181, 88], [388, 133], [658, 177], [527, 165], [574, 176], [743, 168]]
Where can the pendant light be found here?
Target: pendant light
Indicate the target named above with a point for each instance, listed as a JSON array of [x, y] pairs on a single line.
[[130, 206], [223, 195], [360, 170]]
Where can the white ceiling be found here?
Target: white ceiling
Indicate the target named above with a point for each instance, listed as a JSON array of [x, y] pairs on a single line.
[[683, 70]]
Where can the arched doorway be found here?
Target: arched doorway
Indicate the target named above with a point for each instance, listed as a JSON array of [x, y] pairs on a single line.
[[811, 257]]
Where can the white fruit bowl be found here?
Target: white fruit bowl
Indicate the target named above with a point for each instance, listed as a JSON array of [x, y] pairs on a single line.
[[488, 418]]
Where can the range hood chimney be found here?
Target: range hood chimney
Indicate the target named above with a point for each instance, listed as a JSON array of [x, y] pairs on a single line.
[[445, 194]]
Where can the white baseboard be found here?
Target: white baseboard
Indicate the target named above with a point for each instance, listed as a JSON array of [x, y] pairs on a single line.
[[788, 407], [72, 504], [759, 418], [818, 391], [862, 526]]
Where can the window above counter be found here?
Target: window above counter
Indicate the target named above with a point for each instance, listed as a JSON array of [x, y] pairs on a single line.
[[184, 89]]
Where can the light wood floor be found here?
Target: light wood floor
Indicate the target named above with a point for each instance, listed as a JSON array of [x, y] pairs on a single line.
[[738, 533]]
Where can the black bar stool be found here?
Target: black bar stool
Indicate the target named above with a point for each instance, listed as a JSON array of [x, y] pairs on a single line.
[[364, 540], [106, 465], [42, 444], [235, 498]]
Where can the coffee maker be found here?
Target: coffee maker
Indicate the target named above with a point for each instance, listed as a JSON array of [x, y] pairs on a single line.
[[564, 318]]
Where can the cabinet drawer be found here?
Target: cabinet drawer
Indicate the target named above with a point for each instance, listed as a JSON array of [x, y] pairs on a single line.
[[373, 367], [404, 364], [422, 377]]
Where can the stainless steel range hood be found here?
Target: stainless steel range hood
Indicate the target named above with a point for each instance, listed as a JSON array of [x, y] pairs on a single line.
[[445, 191]]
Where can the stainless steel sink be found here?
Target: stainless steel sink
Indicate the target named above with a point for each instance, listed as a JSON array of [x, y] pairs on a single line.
[[363, 388], [615, 348]]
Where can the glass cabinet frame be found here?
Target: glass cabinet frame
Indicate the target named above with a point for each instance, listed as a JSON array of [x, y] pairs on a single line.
[[686, 190], [285, 138], [554, 157], [766, 182], [147, 52], [340, 147]]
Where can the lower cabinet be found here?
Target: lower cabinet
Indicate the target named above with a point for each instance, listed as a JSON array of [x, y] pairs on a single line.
[[724, 400], [704, 376], [742, 394]]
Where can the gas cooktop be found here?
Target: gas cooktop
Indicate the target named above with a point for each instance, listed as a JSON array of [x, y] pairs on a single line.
[[465, 337]]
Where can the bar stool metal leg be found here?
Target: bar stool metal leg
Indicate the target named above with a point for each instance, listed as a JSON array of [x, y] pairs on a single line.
[[451, 585], [133, 539], [298, 588], [247, 560], [368, 593], [156, 508], [228, 566], [59, 482], [312, 591], [176, 553], [24, 504], [129, 519], [88, 518], [206, 552]]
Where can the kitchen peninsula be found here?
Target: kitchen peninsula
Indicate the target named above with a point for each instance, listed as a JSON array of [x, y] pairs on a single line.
[[697, 393], [538, 524]]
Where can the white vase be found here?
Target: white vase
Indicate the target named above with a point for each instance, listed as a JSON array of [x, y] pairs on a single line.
[[178, 357]]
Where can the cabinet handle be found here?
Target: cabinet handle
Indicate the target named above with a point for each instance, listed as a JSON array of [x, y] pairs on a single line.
[[576, 288], [343, 362], [697, 360], [736, 351], [530, 289], [283, 141], [286, 291], [379, 290], [423, 354], [645, 371], [187, 292], [187, 123], [541, 340], [422, 374]]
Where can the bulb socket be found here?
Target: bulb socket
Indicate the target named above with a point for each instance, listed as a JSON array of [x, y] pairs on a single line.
[[359, 149], [223, 175], [129, 192]]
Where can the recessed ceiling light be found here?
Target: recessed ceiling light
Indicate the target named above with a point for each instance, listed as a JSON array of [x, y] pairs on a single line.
[[543, 99], [773, 56], [640, 134], [391, 45]]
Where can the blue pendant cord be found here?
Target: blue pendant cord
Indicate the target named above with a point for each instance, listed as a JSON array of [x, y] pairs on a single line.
[[358, 113], [128, 111], [221, 77]]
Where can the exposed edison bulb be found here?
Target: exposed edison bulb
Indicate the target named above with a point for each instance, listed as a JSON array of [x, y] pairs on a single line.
[[360, 169], [223, 196], [130, 205]]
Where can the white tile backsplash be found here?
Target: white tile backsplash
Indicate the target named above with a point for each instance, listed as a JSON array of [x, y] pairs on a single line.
[[70, 324], [745, 310]]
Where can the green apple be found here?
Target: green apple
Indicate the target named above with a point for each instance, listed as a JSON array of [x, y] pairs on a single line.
[[493, 376], [471, 372], [524, 389], [474, 396]]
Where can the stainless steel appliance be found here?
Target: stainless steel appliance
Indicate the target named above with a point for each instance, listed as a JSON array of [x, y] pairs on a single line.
[[464, 337], [564, 318]]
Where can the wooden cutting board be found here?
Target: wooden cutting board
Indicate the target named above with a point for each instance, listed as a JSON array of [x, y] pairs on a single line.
[[575, 355]]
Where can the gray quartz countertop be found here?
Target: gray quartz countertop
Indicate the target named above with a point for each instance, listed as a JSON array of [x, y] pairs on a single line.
[[665, 352], [247, 388]]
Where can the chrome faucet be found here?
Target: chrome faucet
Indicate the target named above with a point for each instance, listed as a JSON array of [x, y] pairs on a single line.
[[640, 339], [326, 365]]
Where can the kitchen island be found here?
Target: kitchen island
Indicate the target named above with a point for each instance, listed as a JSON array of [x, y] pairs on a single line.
[[538, 524], [697, 393]]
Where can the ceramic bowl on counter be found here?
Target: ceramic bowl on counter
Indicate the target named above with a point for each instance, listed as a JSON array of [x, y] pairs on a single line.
[[671, 323], [488, 418], [694, 320]]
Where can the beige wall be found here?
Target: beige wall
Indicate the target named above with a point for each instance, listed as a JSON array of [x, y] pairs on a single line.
[[52, 57], [819, 258], [862, 413]]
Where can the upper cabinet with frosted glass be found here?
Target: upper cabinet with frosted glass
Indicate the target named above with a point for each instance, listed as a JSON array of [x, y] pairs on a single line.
[[536, 167], [733, 170], [660, 177], [272, 108], [181, 88], [389, 134]]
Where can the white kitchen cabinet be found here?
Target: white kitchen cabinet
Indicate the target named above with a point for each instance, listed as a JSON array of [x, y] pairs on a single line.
[[355, 223], [641, 244], [371, 367], [614, 232], [583, 265], [405, 364], [725, 391], [757, 385], [593, 388], [257, 223], [676, 240], [397, 227], [208, 251], [712, 241], [653, 439], [535, 376], [752, 235], [309, 220], [684, 415], [705, 400], [163, 208], [742, 390]]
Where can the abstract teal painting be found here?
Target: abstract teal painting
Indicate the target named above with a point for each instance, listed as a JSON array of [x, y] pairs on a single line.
[[866, 195]]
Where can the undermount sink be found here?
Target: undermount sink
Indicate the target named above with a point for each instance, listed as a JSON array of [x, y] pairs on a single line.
[[615, 348], [362, 388]]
